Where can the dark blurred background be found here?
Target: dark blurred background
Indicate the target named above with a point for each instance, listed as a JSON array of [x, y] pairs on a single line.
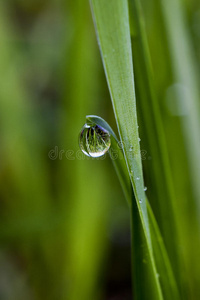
[[64, 222]]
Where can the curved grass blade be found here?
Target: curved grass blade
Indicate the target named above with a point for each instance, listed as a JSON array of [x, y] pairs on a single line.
[[164, 270], [115, 154], [155, 142], [112, 26]]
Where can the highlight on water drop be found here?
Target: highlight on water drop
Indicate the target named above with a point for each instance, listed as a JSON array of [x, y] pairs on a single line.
[[94, 140]]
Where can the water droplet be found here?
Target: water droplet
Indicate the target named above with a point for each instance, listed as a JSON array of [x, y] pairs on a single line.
[[145, 188], [138, 127], [140, 200], [139, 139], [137, 178], [94, 140], [131, 148]]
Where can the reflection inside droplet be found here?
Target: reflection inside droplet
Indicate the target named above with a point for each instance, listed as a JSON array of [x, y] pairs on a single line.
[[94, 140]]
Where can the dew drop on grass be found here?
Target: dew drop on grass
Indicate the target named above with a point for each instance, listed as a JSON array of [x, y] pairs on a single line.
[[131, 148], [139, 139], [137, 178], [145, 188], [140, 200], [94, 140]]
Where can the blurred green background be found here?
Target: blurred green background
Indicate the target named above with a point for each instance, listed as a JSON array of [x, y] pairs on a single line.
[[64, 222]]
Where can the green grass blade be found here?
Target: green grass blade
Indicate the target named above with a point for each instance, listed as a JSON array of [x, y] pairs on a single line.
[[116, 155], [165, 273], [154, 141], [112, 26], [173, 187], [186, 74]]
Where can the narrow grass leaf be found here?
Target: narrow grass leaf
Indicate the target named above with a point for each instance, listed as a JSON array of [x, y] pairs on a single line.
[[112, 27], [164, 270], [154, 138]]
